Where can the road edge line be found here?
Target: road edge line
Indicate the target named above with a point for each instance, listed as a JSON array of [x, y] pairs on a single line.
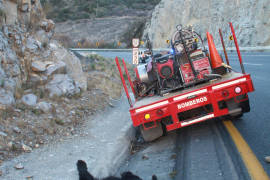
[[254, 167]]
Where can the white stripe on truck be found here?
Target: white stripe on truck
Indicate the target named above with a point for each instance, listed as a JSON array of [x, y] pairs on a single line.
[[189, 94], [229, 83], [151, 106], [197, 120]]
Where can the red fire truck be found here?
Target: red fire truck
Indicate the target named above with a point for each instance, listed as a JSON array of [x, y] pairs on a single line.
[[187, 86]]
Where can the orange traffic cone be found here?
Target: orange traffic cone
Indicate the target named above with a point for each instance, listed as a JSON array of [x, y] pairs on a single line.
[[216, 60]]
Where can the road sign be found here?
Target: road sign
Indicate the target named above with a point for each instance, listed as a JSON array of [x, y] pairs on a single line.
[[231, 37], [135, 42], [135, 58]]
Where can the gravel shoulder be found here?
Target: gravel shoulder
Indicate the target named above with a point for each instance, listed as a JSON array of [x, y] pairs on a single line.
[[103, 144]]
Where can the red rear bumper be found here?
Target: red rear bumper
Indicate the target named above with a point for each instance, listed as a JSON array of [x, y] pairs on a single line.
[[210, 96]]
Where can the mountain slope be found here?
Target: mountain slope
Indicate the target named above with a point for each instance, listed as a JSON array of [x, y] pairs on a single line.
[[63, 10], [250, 18]]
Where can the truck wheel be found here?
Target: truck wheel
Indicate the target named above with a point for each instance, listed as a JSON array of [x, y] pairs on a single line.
[[151, 134], [235, 117]]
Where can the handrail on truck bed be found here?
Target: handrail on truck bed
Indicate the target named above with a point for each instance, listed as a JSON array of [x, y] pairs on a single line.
[[236, 45], [123, 80]]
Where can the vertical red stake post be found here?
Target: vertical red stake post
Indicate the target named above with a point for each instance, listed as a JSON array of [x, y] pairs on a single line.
[[123, 81], [130, 82], [223, 45], [237, 48]]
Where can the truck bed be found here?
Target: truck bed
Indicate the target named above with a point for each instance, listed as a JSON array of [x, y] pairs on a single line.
[[148, 100]]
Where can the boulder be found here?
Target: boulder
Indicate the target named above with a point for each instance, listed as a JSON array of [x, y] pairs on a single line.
[[2, 73], [56, 68], [9, 84], [10, 9], [44, 106], [73, 64], [3, 134], [29, 99], [3, 42], [32, 45], [6, 98], [62, 84], [267, 159], [47, 25], [19, 166], [26, 148], [43, 37], [37, 79], [25, 7], [40, 66]]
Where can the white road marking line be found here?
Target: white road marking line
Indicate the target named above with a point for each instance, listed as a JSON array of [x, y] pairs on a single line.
[[253, 64], [189, 94], [151, 106], [197, 120], [249, 55], [228, 83]]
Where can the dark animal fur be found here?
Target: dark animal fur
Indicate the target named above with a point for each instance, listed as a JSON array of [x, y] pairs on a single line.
[[85, 175]]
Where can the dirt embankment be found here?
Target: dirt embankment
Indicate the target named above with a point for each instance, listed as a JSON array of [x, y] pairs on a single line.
[[24, 128], [46, 92]]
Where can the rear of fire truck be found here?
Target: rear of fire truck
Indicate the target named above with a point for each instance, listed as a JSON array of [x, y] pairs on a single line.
[[187, 85]]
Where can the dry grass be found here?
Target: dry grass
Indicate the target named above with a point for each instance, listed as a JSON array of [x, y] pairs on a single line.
[[7, 113], [22, 124]]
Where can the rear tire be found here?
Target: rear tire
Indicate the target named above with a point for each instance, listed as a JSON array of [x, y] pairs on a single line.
[[151, 134], [236, 117]]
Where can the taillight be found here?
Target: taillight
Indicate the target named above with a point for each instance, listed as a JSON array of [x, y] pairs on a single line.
[[225, 93], [238, 90]]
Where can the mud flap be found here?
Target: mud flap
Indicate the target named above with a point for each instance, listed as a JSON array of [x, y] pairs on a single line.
[[152, 133], [236, 110]]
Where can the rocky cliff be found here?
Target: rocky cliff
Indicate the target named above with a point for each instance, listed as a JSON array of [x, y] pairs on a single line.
[[250, 18], [30, 59], [40, 81]]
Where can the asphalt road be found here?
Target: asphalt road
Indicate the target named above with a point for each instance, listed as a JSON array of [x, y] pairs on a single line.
[[253, 126]]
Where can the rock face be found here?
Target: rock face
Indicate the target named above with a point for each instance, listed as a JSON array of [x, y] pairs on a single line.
[[30, 58], [251, 20]]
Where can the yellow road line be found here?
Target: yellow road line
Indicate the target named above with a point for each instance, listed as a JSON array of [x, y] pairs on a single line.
[[252, 164]]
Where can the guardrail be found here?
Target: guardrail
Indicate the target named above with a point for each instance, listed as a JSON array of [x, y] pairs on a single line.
[[257, 48], [88, 49]]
